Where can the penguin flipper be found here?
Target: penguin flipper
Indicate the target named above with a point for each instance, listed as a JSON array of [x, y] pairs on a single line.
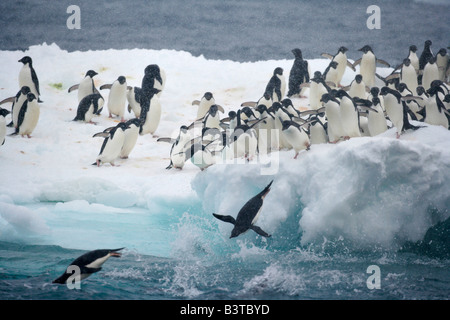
[[106, 86], [85, 270], [74, 87], [169, 140], [10, 99], [260, 231], [351, 66], [228, 219], [101, 134], [327, 55], [195, 102], [248, 104], [380, 61], [356, 62]]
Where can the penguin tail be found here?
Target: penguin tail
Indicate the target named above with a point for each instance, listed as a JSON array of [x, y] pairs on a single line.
[[266, 190]]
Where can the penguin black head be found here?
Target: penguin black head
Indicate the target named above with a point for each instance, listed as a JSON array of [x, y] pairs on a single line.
[[333, 64], [184, 129], [317, 76], [232, 115], [91, 73], [374, 91], [122, 125], [428, 43], [343, 49], [287, 102], [432, 60], [442, 52], [420, 90], [406, 62], [276, 106], [297, 53], [25, 90], [30, 97], [136, 121], [26, 60], [358, 78], [375, 101], [327, 97], [4, 112], [278, 71], [213, 110], [261, 108], [366, 49], [121, 79], [413, 48], [341, 93], [208, 96], [286, 124], [152, 69]]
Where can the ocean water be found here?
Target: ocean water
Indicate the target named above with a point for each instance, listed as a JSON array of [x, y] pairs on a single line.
[[333, 216]]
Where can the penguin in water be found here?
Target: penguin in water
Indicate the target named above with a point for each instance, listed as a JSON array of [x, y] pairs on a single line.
[[28, 77], [28, 116], [204, 104], [177, 151], [341, 58], [131, 136], [277, 85], [150, 111], [397, 110], [86, 86], [368, 63], [89, 263], [299, 74], [89, 107], [3, 114], [296, 136], [248, 215], [117, 97], [134, 100], [112, 144]]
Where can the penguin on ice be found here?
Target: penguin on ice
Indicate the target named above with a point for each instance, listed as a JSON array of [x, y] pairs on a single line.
[[296, 136], [341, 58], [117, 97], [442, 61], [333, 115], [112, 144], [318, 133], [28, 77], [408, 75], [247, 215], [277, 85], [430, 73], [86, 86], [134, 100], [376, 121], [368, 63], [299, 74], [204, 104], [150, 112], [3, 114], [177, 151], [349, 115], [426, 55], [396, 110], [331, 74], [154, 78], [89, 107], [131, 136], [412, 56], [89, 263], [435, 112], [358, 88], [28, 116], [317, 88], [17, 103]]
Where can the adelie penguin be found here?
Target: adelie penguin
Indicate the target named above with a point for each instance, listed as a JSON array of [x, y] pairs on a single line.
[[296, 136], [117, 97], [28, 116], [368, 63], [248, 215], [204, 104], [299, 74], [88, 107], [17, 103], [28, 77], [277, 85], [134, 100], [341, 58], [88, 264], [3, 114], [86, 86], [112, 144], [131, 136], [150, 111]]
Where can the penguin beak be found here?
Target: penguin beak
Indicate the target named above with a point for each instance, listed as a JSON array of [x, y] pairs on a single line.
[[115, 254]]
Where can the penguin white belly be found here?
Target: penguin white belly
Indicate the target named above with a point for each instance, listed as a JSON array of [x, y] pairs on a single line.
[[282, 86], [414, 61], [202, 159], [213, 122], [153, 116], [349, 118], [318, 134], [394, 111], [409, 77], [332, 76], [204, 107], [433, 116], [298, 139], [89, 113], [358, 90], [130, 139], [98, 262], [341, 59], [335, 130], [85, 88], [26, 80], [135, 106], [158, 85], [376, 122], [31, 119], [430, 73], [113, 147], [442, 63], [117, 99], [367, 69]]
